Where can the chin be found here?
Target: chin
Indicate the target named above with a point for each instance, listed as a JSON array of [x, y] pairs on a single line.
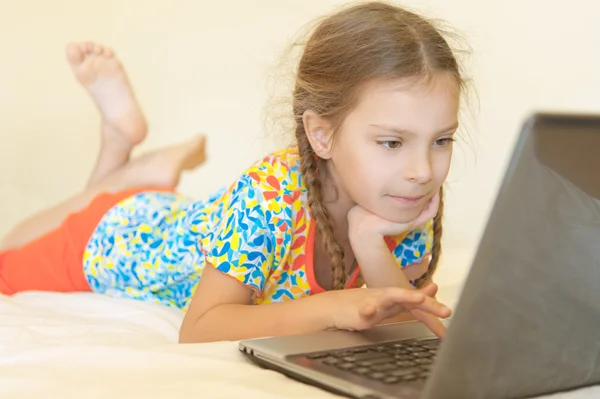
[[405, 217], [400, 216]]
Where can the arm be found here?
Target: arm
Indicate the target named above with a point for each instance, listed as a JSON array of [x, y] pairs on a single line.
[[379, 266], [412, 272], [220, 310], [367, 233]]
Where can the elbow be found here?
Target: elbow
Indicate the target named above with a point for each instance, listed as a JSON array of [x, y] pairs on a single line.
[[185, 337], [191, 332], [186, 334]]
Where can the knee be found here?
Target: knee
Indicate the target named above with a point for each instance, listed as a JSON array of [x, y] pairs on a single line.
[[5, 244]]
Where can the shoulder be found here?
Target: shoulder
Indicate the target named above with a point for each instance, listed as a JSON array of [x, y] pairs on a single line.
[[274, 182], [272, 187], [277, 172]]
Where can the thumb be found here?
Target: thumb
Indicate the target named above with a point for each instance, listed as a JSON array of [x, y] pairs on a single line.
[[430, 290], [367, 309]]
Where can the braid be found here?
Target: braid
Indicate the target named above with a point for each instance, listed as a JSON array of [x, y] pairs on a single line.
[[309, 168], [360, 281], [436, 249]]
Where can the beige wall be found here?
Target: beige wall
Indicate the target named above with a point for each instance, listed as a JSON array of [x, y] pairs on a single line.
[[200, 65]]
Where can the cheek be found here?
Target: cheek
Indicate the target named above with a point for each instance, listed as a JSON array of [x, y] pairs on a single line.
[[370, 182], [360, 174], [357, 176], [441, 166]]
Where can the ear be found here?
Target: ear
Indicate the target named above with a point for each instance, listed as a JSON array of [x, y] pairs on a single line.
[[319, 133]]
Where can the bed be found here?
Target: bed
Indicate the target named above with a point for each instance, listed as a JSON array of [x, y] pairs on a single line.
[[86, 345]]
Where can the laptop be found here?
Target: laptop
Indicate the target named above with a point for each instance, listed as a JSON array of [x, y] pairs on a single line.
[[528, 319]]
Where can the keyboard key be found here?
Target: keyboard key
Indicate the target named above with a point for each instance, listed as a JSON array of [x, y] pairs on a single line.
[[317, 355], [405, 363], [408, 377], [425, 375], [345, 366], [423, 355], [369, 363], [341, 354], [403, 372], [398, 352], [381, 348], [416, 349], [384, 367], [370, 356], [424, 360], [361, 370], [331, 361], [377, 375], [391, 380]]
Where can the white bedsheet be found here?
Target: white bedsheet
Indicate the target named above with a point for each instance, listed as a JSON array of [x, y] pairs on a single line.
[[91, 346]]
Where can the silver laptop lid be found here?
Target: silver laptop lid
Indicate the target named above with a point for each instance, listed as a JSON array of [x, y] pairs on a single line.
[[528, 320]]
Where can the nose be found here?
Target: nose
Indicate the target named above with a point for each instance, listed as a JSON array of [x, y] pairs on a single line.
[[418, 167]]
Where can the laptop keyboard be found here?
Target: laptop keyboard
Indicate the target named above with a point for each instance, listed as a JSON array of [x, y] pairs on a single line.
[[390, 363]]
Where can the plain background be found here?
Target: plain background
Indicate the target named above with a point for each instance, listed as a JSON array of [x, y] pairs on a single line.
[[208, 66]]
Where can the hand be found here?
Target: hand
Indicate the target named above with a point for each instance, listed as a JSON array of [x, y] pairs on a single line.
[[363, 308], [432, 322], [364, 222]]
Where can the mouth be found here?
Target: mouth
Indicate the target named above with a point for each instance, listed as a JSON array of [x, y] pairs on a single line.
[[407, 199]]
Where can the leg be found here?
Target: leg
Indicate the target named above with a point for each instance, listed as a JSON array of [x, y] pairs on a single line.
[[53, 262], [161, 169], [100, 72], [123, 126]]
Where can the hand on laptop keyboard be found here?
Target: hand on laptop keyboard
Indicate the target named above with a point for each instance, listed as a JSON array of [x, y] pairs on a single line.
[[363, 308]]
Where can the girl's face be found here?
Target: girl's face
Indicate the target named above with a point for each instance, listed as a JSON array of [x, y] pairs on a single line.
[[393, 151]]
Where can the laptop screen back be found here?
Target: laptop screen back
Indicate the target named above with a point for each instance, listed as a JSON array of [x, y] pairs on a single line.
[[527, 322]]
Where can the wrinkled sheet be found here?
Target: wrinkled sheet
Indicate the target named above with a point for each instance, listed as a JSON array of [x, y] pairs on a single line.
[[86, 345]]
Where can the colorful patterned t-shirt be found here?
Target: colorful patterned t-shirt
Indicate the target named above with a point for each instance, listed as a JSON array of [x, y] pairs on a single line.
[[153, 246]]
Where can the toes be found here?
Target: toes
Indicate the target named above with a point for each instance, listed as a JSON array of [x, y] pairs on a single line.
[[75, 53], [200, 148], [200, 142], [108, 52], [88, 47], [97, 49]]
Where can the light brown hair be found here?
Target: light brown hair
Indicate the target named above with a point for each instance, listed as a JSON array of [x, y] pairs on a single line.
[[368, 42]]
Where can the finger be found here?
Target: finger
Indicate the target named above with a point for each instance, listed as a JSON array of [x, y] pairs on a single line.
[[430, 321], [430, 290], [429, 212], [430, 305], [399, 296], [434, 202]]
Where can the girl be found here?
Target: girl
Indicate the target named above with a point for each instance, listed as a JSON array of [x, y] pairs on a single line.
[[357, 199]]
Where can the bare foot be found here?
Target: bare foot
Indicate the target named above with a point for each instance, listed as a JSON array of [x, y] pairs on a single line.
[[164, 167], [189, 155], [102, 75]]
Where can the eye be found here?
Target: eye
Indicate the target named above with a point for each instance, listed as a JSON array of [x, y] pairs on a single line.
[[391, 144], [444, 142]]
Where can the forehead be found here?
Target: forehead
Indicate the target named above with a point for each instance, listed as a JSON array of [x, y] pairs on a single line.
[[426, 106]]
